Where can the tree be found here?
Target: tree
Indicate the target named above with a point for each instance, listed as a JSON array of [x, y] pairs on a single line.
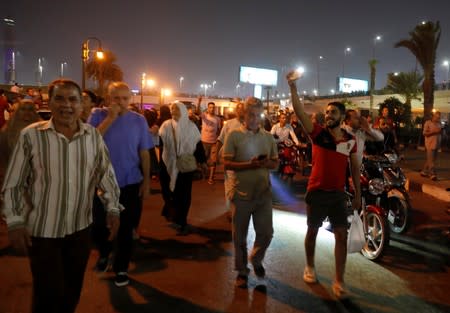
[[373, 73], [423, 43], [405, 84], [104, 71]]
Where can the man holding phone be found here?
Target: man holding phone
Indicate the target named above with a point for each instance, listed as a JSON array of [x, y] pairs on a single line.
[[250, 152]]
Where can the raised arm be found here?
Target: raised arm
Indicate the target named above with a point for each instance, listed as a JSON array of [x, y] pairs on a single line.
[[296, 103]]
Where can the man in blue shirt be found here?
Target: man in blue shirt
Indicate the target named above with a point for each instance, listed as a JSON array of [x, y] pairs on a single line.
[[126, 135]]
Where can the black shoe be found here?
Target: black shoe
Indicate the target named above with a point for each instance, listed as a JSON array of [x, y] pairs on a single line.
[[241, 281], [260, 272], [102, 265], [183, 231], [121, 279]]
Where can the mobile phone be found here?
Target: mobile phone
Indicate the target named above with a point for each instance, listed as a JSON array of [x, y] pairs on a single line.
[[262, 157]]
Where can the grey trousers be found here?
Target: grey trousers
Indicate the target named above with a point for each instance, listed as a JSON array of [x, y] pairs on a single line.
[[260, 210]]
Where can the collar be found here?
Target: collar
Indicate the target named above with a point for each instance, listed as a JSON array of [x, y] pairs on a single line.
[[245, 130], [49, 125]]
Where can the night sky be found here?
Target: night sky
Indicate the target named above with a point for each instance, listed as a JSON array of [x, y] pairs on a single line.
[[207, 40]]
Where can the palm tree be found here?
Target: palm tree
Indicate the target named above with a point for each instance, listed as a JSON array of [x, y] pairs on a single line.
[[104, 71], [405, 84], [373, 73], [423, 44]]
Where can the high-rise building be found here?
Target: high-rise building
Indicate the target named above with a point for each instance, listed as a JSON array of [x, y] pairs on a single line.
[[10, 51]]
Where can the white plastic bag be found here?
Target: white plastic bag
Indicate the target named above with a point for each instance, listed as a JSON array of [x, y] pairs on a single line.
[[356, 239]]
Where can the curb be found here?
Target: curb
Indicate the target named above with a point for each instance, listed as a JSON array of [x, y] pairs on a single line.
[[437, 192]]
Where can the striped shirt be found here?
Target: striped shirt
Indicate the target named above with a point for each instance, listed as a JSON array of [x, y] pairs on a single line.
[[50, 181]]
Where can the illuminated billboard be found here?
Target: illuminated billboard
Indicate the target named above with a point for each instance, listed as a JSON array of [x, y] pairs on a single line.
[[258, 76], [348, 85]]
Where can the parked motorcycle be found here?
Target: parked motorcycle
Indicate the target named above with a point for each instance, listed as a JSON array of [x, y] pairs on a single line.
[[287, 155], [374, 220], [387, 188]]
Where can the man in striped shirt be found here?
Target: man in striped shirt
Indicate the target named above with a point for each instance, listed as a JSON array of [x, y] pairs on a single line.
[[48, 190]]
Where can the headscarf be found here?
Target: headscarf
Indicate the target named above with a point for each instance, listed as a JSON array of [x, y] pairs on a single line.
[[187, 137]]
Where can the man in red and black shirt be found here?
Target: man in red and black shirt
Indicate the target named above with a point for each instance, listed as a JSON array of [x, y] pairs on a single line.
[[332, 150]]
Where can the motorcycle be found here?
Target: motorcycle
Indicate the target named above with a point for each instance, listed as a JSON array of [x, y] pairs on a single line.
[[374, 220], [387, 188], [287, 154]]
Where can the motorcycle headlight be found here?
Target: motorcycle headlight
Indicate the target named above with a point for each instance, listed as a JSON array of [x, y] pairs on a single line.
[[376, 186], [392, 157]]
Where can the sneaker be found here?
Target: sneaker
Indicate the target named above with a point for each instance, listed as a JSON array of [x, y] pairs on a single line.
[[241, 281], [309, 275], [102, 265], [260, 272], [433, 177], [339, 290], [211, 181], [121, 279]]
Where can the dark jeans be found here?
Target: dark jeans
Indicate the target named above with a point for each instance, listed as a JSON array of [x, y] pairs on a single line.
[[176, 203], [129, 198], [57, 267]]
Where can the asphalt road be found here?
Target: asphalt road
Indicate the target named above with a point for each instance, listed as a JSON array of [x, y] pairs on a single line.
[[194, 273]]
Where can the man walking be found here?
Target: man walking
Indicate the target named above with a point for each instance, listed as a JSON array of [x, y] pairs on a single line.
[[250, 152], [128, 140], [48, 192], [209, 132], [332, 148]]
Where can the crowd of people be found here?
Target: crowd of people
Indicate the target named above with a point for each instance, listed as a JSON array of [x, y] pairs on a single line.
[[84, 174]]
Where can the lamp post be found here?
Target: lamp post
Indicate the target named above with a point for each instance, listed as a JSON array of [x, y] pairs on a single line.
[[205, 87], [214, 84], [85, 56], [447, 65], [237, 89], [346, 51], [181, 81], [165, 92], [142, 89], [61, 71], [318, 73], [375, 40]]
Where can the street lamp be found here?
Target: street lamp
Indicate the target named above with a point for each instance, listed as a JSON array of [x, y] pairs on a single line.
[[318, 73], [61, 71], [332, 91], [214, 84], [181, 81], [375, 40], [237, 89], [205, 86], [165, 92], [346, 51], [447, 65], [85, 56]]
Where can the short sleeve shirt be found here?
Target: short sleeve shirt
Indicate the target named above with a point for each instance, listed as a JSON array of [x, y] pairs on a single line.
[[242, 145], [330, 159], [210, 128]]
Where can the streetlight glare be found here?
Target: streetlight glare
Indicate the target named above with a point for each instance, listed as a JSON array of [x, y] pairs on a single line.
[[378, 37], [100, 55], [167, 92], [300, 69], [150, 83], [445, 63]]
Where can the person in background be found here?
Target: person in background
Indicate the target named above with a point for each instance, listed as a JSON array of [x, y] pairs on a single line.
[[250, 153], [357, 126], [210, 131], [48, 198], [126, 135], [4, 107], [178, 136], [432, 130], [89, 102]]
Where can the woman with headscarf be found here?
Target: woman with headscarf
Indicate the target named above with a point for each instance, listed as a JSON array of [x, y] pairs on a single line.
[[178, 136]]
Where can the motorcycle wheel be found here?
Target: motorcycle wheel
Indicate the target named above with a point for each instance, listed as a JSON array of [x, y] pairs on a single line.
[[398, 220], [377, 237]]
